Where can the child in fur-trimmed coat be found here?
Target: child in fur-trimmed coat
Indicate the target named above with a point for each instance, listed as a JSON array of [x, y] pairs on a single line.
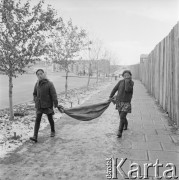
[[123, 99]]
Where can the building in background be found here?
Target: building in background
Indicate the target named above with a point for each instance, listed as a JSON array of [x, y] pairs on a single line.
[[77, 67], [80, 67], [143, 57]]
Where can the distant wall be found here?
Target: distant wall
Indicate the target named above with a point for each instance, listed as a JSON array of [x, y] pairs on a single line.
[[159, 72]]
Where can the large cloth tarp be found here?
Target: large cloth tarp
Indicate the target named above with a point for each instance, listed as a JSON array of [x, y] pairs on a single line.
[[86, 113]]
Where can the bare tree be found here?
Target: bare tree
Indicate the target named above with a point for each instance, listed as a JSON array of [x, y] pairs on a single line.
[[111, 58], [96, 53], [21, 39], [87, 54]]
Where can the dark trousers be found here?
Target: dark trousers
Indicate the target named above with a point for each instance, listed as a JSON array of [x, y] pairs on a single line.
[[38, 120], [123, 120]]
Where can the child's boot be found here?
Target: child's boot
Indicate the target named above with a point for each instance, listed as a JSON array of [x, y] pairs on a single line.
[[119, 134], [34, 138]]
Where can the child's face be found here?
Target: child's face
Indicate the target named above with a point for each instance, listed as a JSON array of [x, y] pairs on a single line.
[[40, 75], [126, 75]]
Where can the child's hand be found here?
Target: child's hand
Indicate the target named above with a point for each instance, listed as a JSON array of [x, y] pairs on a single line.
[[61, 108]]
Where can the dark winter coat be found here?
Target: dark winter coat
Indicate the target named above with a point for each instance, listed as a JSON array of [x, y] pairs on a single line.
[[45, 94], [125, 90]]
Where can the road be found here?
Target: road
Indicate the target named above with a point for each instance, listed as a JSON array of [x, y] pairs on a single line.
[[23, 87]]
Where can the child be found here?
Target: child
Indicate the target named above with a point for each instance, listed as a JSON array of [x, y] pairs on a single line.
[[123, 99], [45, 98]]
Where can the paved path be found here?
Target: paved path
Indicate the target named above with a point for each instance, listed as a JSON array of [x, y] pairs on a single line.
[[80, 149]]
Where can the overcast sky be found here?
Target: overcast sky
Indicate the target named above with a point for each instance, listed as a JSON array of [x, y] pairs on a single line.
[[127, 27]]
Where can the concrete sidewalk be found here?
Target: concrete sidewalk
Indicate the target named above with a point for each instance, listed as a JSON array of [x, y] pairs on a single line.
[[80, 149], [150, 137]]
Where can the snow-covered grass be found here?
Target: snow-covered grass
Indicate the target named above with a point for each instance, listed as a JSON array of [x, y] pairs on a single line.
[[14, 133]]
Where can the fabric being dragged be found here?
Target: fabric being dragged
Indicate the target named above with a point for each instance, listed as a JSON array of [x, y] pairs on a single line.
[[86, 113]]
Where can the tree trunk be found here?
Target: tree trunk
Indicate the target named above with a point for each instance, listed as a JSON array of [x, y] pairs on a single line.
[[53, 67], [97, 74], [46, 66], [109, 71], [89, 75], [10, 98], [66, 84]]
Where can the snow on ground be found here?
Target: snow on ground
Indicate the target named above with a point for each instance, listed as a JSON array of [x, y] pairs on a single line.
[[14, 133]]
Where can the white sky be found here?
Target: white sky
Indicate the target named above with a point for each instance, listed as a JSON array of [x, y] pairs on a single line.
[[127, 27]]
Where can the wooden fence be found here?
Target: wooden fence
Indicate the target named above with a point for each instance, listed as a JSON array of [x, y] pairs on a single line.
[[159, 72]]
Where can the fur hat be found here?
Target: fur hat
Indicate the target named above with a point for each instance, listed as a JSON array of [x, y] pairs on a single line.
[[39, 70], [126, 71]]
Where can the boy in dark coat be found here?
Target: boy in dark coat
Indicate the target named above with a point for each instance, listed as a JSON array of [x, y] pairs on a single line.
[[45, 98], [123, 99]]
